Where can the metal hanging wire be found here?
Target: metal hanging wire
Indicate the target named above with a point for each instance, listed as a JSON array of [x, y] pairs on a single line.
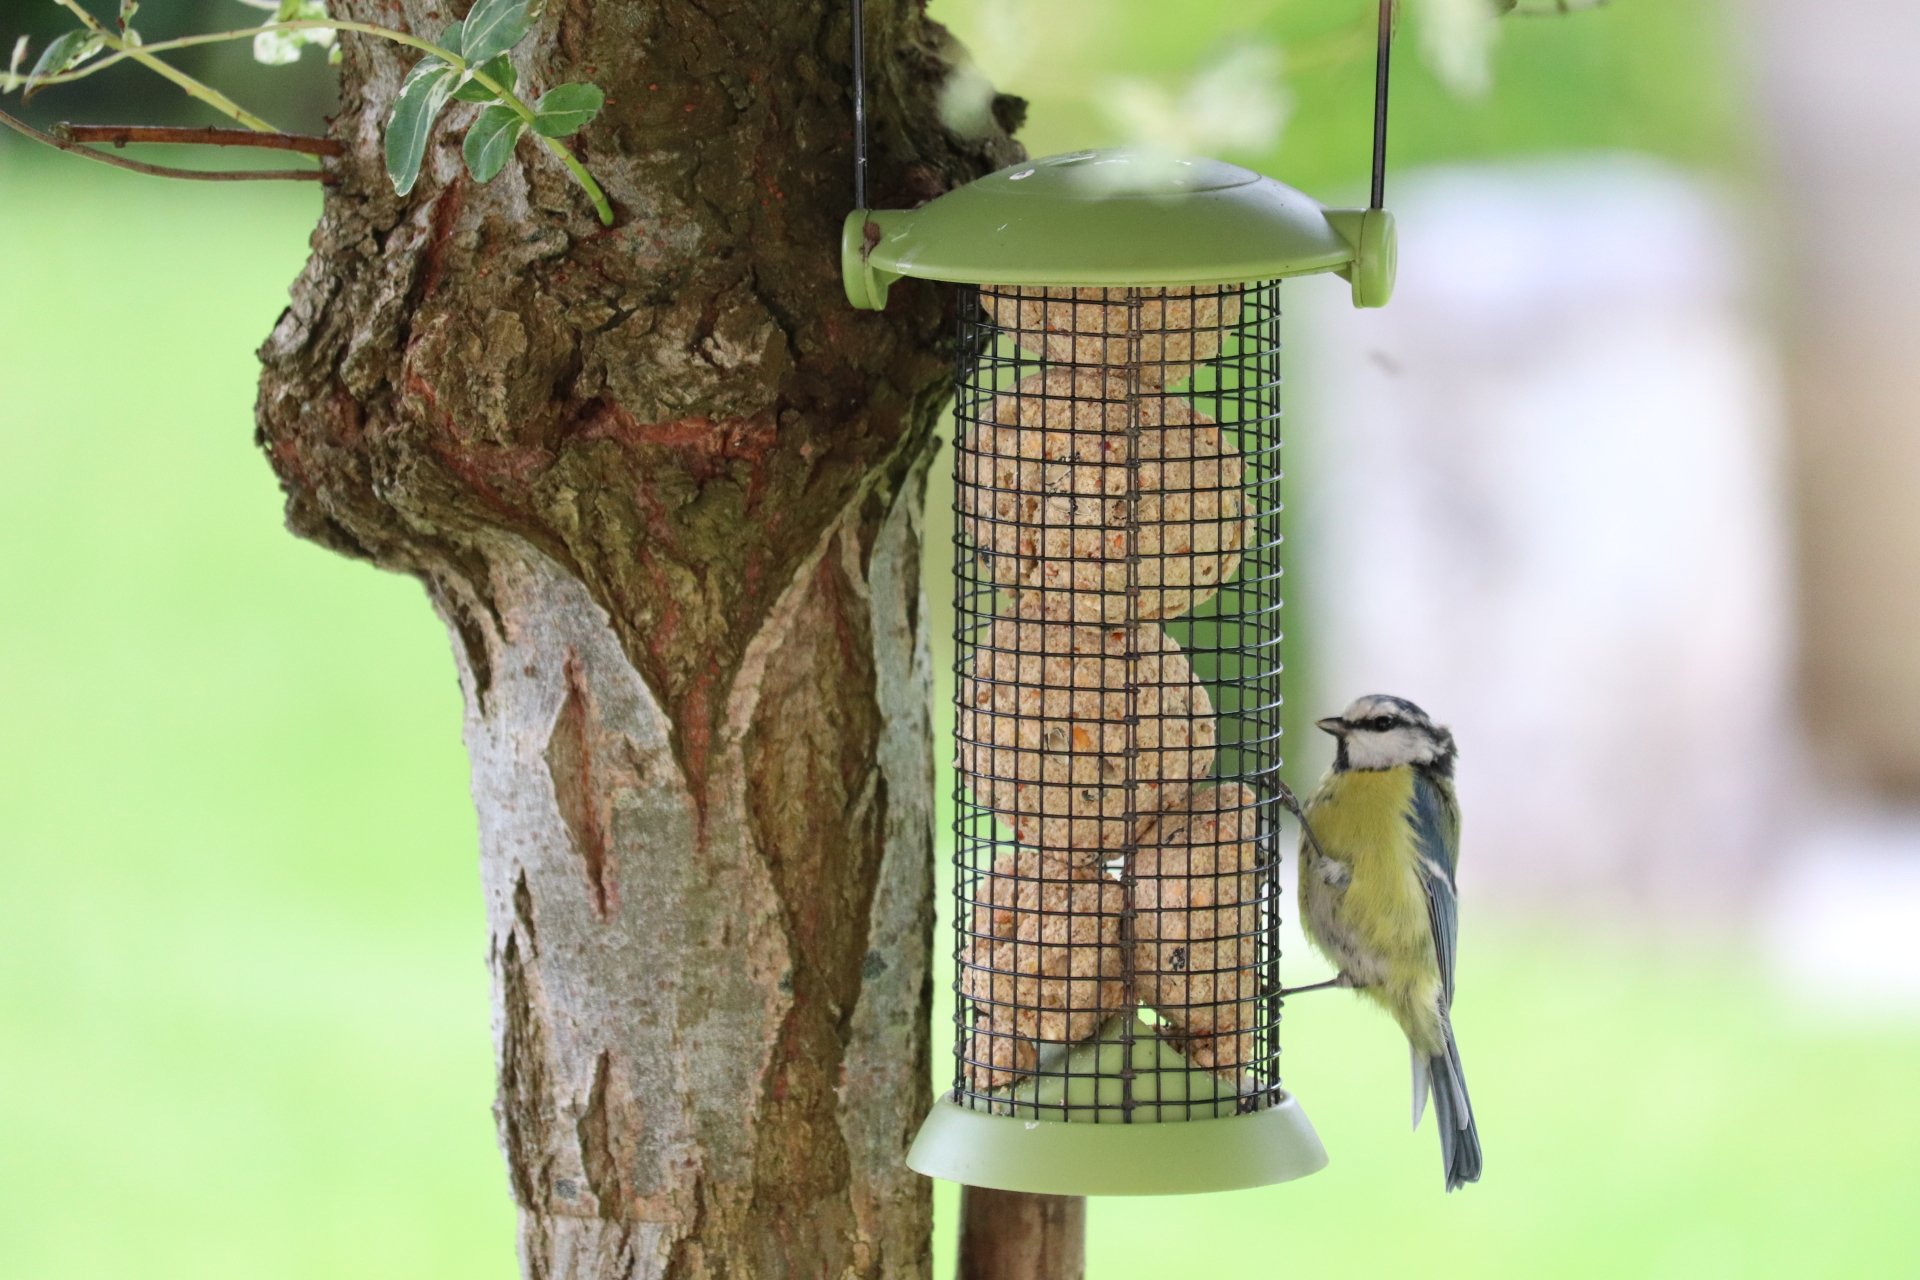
[[859, 106], [1382, 73], [1382, 77]]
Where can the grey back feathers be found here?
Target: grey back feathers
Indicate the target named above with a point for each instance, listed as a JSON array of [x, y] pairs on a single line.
[[1436, 840]]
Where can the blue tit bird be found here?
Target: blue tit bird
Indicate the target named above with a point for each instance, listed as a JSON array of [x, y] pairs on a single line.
[[1380, 842]]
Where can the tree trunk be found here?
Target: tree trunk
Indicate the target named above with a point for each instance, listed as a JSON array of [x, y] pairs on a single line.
[[1005, 1235], [664, 486]]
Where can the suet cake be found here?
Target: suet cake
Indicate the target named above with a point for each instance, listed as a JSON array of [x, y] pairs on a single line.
[[1160, 334], [1078, 495], [1050, 714], [1043, 960], [1197, 922]]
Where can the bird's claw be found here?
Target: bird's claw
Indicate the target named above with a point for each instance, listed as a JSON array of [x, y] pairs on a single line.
[[1289, 801], [1340, 981]]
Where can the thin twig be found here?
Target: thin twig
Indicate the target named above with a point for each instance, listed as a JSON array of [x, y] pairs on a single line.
[[193, 88], [96, 65], [165, 171], [145, 55], [1555, 8], [119, 135]]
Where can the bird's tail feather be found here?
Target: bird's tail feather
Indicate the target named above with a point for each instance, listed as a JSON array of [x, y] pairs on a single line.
[[1420, 1074], [1453, 1115]]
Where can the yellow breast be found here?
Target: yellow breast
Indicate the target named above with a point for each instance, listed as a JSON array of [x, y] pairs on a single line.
[[1360, 818]]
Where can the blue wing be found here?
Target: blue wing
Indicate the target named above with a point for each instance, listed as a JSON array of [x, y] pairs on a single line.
[[1436, 835]]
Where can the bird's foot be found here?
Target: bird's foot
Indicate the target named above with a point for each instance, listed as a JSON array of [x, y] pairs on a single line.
[[1291, 803], [1343, 980]]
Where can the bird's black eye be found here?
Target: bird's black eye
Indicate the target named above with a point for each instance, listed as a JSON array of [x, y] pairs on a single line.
[[1380, 724]]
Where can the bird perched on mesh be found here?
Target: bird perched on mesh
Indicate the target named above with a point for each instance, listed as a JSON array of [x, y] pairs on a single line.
[[1380, 841]]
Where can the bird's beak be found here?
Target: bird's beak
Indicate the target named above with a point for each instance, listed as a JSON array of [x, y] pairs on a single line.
[[1332, 724]]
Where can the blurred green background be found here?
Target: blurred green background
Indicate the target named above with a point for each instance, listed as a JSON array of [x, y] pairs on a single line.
[[243, 1005]]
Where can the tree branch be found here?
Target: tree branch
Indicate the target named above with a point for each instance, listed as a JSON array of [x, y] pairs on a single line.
[[164, 171], [119, 135]]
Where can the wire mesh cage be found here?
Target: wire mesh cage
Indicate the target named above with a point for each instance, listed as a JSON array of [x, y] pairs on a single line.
[[1117, 593]]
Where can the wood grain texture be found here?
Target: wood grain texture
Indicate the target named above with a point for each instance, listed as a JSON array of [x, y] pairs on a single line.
[[1005, 1235]]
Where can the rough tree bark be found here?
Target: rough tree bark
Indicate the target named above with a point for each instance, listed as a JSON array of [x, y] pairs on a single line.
[[664, 487]]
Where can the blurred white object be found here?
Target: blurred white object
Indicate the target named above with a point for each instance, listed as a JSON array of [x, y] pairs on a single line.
[[1539, 494], [1840, 916], [1235, 102]]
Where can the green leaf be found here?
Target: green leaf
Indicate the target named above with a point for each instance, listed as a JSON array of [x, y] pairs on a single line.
[[565, 109], [417, 106], [12, 79], [490, 141], [500, 71], [66, 53], [493, 27], [127, 9]]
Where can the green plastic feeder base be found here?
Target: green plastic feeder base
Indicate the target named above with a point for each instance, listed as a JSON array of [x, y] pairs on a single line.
[[1067, 1158], [1184, 1132]]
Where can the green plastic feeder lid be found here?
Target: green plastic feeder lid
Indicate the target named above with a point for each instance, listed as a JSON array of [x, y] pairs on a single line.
[[1116, 218]]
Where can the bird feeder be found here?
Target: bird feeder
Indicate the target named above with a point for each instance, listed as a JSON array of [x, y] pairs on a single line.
[[1117, 897]]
